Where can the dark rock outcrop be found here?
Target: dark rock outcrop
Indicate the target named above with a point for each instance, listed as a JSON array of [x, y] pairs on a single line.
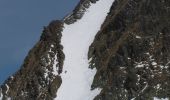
[[79, 11], [132, 51], [30, 82]]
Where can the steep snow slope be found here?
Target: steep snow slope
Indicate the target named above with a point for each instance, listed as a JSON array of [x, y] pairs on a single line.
[[77, 77]]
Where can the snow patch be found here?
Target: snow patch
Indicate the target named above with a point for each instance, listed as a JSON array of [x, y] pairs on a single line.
[[49, 62], [46, 74], [52, 46], [140, 65], [138, 37], [7, 88], [155, 98], [55, 68], [158, 86], [154, 63], [76, 39], [133, 99], [144, 87]]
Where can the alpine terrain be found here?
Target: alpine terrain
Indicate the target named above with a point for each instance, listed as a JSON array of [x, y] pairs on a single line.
[[102, 50]]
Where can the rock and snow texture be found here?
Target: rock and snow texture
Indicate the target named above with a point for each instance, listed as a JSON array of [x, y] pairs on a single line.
[[76, 39], [155, 98]]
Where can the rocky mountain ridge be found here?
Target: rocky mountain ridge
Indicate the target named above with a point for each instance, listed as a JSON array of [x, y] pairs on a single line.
[[131, 53]]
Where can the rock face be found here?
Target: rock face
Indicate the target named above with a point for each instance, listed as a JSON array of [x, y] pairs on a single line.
[[35, 79], [131, 53]]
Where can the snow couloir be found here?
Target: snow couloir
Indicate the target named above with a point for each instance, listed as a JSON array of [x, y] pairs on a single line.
[[77, 77]]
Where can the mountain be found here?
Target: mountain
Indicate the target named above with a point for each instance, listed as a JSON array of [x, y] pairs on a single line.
[[103, 50]]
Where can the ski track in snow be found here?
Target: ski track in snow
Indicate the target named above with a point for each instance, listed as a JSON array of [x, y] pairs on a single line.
[[77, 78]]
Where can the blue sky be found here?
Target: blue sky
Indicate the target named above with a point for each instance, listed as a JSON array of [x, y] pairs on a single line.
[[21, 23]]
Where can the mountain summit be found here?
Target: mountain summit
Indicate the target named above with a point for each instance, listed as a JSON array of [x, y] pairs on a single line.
[[103, 50]]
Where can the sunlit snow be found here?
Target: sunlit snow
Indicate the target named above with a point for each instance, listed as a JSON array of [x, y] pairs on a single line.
[[77, 77]]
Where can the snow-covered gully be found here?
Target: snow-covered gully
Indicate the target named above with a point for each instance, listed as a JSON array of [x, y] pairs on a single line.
[[77, 77]]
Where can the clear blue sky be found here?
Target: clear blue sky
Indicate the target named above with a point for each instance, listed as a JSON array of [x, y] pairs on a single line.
[[21, 23]]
